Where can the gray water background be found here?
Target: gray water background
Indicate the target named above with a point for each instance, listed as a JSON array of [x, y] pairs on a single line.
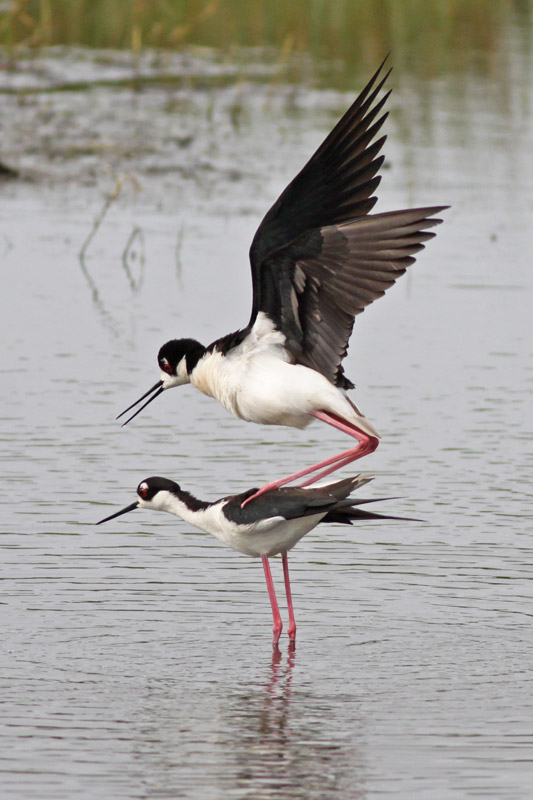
[[136, 657]]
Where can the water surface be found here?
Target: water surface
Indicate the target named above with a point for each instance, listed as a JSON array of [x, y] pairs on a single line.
[[136, 658]]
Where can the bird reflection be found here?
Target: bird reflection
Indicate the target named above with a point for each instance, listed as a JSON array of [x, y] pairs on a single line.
[[277, 693], [279, 740], [267, 731]]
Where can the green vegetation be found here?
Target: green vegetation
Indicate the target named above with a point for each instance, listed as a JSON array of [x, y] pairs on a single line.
[[433, 35]]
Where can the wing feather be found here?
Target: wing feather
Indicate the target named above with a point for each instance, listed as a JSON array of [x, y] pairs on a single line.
[[319, 258], [312, 200], [339, 275]]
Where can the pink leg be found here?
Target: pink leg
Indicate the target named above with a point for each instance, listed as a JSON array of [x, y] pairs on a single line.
[[367, 444], [292, 624], [278, 625], [315, 478]]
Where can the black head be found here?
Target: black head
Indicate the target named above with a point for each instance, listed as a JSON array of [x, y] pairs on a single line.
[[171, 357], [176, 359], [148, 488], [147, 491]]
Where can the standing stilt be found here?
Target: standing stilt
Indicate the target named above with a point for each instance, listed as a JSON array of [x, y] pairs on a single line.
[[292, 623], [278, 625]]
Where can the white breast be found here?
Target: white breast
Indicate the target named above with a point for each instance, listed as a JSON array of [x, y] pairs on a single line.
[[267, 537], [257, 382]]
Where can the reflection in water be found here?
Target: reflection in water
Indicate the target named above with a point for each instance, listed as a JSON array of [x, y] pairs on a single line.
[[271, 739], [98, 220], [268, 740], [108, 321], [178, 255], [134, 251], [277, 693], [283, 744]]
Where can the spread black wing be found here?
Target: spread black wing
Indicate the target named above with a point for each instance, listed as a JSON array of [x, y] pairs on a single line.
[[318, 258]]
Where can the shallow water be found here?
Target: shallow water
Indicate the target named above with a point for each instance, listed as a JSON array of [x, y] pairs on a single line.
[[136, 658]]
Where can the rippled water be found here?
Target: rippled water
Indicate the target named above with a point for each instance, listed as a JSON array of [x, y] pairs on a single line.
[[136, 658]]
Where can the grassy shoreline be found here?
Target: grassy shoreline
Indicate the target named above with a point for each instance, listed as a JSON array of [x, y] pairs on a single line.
[[350, 34]]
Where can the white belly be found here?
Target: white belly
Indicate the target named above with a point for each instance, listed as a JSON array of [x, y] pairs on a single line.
[[269, 391], [256, 383], [279, 535], [277, 393], [266, 538]]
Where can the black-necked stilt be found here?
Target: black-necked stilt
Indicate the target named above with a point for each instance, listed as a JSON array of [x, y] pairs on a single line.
[[318, 259], [270, 524]]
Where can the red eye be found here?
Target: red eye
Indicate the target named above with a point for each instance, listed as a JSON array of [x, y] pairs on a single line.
[[165, 366], [143, 491]]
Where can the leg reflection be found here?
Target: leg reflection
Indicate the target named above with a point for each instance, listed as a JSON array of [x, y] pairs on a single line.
[[278, 692]]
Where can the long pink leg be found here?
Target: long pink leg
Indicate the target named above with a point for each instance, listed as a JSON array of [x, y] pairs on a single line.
[[315, 478], [278, 625], [292, 623], [367, 444], [343, 426]]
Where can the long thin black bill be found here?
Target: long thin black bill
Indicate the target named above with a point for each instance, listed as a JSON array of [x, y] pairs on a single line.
[[157, 388], [119, 513]]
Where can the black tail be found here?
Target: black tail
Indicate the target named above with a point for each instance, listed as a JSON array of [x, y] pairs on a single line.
[[346, 513]]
